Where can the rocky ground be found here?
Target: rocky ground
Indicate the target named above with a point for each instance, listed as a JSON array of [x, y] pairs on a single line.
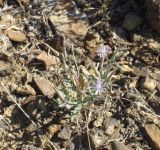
[[79, 75]]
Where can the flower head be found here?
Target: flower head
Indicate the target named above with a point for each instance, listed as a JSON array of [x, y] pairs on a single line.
[[99, 86], [103, 50]]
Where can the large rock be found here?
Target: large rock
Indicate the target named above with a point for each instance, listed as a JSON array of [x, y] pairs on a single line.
[[153, 13]]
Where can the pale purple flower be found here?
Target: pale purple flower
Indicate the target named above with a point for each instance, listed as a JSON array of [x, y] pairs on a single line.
[[99, 86], [103, 50]]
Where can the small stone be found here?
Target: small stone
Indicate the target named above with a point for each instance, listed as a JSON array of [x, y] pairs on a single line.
[[30, 147], [29, 99], [126, 69], [108, 114], [136, 38], [69, 145], [96, 140], [152, 134], [54, 128], [153, 45], [44, 86], [31, 128], [16, 35], [5, 68], [116, 145], [25, 90], [92, 40], [131, 22], [98, 122], [9, 111], [65, 133], [109, 125], [48, 60], [148, 83], [7, 20]]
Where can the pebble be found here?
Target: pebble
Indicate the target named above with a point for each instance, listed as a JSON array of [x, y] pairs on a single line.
[[109, 125], [69, 145], [96, 140], [98, 122], [131, 22], [16, 35], [5, 68], [54, 128], [25, 90], [30, 147], [44, 86], [7, 20], [48, 60], [126, 69], [152, 134], [153, 44], [148, 83], [116, 145], [29, 99]]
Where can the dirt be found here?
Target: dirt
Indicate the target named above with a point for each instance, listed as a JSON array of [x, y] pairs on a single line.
[[79, 75]]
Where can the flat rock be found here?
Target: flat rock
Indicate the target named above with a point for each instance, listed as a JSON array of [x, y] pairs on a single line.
[[68, 21], [44, 86], [16, 35], [152, 134], [48, 60], [116, 145], [98, 122], [131, 22]]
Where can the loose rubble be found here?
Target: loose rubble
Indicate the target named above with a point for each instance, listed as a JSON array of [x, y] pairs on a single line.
[[79, 74]]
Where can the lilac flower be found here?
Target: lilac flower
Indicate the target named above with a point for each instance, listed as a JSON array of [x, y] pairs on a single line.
[[103, 50], [99, 86]]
